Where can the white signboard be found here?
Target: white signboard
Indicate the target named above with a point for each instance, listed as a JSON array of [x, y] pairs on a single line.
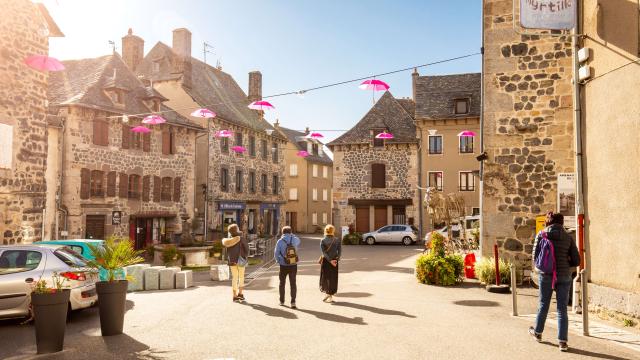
[[567, 198], [547, 14], [6, 146]]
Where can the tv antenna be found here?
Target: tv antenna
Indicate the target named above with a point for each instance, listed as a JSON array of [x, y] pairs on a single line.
[[113, 45], [206, 49]]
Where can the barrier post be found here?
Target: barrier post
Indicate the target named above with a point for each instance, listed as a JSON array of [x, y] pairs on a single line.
[[514, 292], [585, 302]]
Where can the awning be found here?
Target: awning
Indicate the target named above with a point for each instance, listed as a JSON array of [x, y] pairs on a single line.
[[380, 202]]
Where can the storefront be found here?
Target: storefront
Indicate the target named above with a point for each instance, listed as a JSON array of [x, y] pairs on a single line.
[[269, 214], [231, 212], [151, 228]]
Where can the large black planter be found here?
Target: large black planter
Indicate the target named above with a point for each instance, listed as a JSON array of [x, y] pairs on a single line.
[[50, 314], [112, 296]]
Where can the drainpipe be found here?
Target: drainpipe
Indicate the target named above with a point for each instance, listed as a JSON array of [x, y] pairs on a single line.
[[420, 204], [61, 183], [481, 174]]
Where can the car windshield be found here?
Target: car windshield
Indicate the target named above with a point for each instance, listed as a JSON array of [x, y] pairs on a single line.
[[70, 257]]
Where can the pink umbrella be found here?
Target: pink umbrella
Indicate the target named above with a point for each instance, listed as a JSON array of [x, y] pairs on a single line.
[[239, 149], [261, 105], [203, 113], [153, 120], [44, 63], [223, 133], [384, 135], [467, 133], [315, 135], [375, 85], [302, 153], [141, 129]]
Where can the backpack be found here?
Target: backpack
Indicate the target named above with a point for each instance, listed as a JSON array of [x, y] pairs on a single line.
[[545, 260], [290, 254]]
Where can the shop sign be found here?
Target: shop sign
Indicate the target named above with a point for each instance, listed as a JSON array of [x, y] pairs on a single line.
[[231, 206], [116, 217], [567, 198], [269, 206], [548, 14]]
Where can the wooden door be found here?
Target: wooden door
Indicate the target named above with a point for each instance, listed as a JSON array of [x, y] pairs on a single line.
[[293, 221], [380, 218], [362, 220], [95, 226]]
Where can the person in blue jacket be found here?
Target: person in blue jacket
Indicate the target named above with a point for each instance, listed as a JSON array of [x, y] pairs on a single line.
[[288, 261]]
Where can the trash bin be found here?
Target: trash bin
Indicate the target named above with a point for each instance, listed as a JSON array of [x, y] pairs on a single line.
[[469, 266]]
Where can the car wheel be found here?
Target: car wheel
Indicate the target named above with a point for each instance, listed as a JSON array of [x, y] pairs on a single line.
[[407, 241], [371, 240]]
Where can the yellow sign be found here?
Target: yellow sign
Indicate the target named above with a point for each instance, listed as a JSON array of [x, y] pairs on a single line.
[[540, 223]]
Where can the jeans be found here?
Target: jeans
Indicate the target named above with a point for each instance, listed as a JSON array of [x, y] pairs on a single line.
[[237, 278], [291, 271], [563, 284]]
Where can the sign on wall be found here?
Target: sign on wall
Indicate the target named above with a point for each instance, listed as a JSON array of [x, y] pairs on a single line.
[[567, 197], [116, 217], [547, 14], [6, 146]]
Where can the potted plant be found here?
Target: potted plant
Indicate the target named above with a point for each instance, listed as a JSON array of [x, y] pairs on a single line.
[[113, 255], [50, 305]]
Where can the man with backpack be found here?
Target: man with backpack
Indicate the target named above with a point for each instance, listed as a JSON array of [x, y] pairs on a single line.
[[286, 254]]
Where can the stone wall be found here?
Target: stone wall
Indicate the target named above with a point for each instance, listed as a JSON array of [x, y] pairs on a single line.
[[22, 118], [528, 128]]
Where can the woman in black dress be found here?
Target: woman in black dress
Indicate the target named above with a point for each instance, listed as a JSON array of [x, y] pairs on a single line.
[[331, 251]]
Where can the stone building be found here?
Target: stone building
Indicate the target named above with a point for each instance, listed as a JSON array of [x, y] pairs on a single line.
[[308, 182], [243, 187], [26, 28], [527, 130], [447, 105], [375, 181], [105, 179]]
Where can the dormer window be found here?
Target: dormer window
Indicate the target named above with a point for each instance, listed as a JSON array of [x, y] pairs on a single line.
[[116, 96], [378, 142], [156, 66], [461, 106], [156, 106]]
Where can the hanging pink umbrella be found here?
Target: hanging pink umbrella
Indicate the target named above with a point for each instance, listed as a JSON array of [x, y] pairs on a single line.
[[384, 135], [203, 113], [223, 133], [153, 120], [375, 85], [141, 129], [239, 149], [44, 63], [302, 153], [315, 135], [468, 133], [261, 105]]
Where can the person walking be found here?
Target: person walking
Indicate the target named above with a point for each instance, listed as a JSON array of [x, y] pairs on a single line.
[[286, 254], [331, 251], [562, 249], [237, 250]]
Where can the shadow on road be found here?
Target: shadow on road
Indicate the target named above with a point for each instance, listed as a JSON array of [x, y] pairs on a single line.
[[353, 295], [333, 317], [275, 312], [588, 353], [478, 303], [372, 309]]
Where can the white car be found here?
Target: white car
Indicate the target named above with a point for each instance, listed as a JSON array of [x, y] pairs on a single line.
[[405, 234], [22, 266]]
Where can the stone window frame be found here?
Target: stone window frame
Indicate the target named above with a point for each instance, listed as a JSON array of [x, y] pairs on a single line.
[[275, 184], [378, 183], [274, 152], [460, 148], [457, 101], [97, 183], [134, 187], [252, 146], [264, 183], [263, 149], [224, 179], [438, 188], [239, 181], [224, 145], [468, 174], [252, 182], [429, 152], [166, 188]]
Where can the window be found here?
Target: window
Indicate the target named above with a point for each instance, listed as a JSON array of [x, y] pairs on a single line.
[[136, 140], [475, 211], [263, 149], [314, 195], [399, 215], [111, 183], [167, 188], [461, 106], [252, 146], [378, 142], [274, 154], [324, 218], [435, 144], [238, 139], [435, 180], [314, 149], [168, 142], [263, 183], [252, 182], [293, 170], [378, 176], [293, 194], [224, 145], [224, 179], [325, 195], [314, 219], [97, 183], [325, 172], [116, 96], [315, 170], [239, 184], [467, 181], [100, 133], [146, 188], [276, 185], [134, 187], [6, 146], [466, 144], [156, 66], [14, 261]]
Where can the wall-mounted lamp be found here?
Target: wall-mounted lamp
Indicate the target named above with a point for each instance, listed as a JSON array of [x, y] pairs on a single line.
[[482, 157]]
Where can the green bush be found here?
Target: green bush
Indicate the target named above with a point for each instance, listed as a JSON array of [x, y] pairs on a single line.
[[170, 254], [485, 270], [437, 244], [352, 239], [434, 269]]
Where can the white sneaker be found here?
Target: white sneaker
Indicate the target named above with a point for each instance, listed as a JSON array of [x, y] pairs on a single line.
[[326, 298]]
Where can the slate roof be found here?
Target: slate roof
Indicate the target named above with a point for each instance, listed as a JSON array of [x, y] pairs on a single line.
[[210, 87], [436, 95], [293, 136], [388, 113]]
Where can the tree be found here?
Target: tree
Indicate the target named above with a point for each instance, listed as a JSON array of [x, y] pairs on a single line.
[[444, 209]]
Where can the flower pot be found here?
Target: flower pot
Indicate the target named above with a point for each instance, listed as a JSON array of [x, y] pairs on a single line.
[[50, 313], [112, 296]]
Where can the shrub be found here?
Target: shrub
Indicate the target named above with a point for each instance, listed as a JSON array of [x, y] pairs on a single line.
[[435, 269], [352, 239], [485, 270], [437, 244], [170, 254]]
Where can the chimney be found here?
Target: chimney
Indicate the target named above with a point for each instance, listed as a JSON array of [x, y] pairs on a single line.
[[276, 124], [255, 86], [306, 131], [182, 48], [414, 81], [132, 50]]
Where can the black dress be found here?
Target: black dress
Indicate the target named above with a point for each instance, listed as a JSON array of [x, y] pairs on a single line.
[[331, 250]]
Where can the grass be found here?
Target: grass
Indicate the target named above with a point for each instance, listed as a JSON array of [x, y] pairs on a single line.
[[197, 268], [253, 261]]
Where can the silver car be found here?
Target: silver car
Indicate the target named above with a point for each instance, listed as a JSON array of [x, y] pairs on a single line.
[[22, 266], [406, 234]]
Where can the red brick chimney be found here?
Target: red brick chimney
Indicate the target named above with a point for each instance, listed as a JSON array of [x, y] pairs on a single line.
[[132, 50], [255, 86], [182, 48]]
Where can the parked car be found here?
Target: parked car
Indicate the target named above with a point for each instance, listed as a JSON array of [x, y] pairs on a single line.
[[406, 234], [469, 221], [22, 266], [81, 247]]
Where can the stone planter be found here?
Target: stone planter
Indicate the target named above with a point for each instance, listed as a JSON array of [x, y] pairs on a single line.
[[195, 255]]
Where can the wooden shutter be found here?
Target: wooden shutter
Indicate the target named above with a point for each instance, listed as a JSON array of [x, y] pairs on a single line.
[[146, 142], [157, 188], [126, 136], [176, 189], [166, 142], [123, 190], [146, 187], [111, 184], [378, 176], [172, 141], [85, 183]]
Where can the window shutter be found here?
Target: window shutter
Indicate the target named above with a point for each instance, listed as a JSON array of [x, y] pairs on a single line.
[[172, 139], [111, 184], [378, 176], [146, 142], [176, 189], [157, 188], [146, 187], [85, 183], [166, 142], [123, 189], [96, 132], [126, 136]]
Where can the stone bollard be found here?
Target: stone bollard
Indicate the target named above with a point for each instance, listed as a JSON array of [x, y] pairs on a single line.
[[168, 278], [136, 275], [219, 272], [184, 279], [152, 277]]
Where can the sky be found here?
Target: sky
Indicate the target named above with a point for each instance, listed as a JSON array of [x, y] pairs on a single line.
[[295, 44]]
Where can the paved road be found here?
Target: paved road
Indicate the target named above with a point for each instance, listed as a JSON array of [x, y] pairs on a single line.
[[381, 313]]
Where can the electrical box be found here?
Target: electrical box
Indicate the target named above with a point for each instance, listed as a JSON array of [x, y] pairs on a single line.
[[584, 73], [583, 55]]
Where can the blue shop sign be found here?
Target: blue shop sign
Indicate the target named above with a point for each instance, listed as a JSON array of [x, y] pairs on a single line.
[[231, 206], [269, 206]]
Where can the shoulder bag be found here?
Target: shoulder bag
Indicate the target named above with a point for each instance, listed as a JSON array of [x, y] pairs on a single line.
[[329, 248]]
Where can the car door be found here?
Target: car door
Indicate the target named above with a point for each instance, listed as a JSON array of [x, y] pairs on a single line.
[[19, 270], [398, 233], [383, 234]]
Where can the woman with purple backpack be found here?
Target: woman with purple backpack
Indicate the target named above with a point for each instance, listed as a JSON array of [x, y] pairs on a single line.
[[554, 256]]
